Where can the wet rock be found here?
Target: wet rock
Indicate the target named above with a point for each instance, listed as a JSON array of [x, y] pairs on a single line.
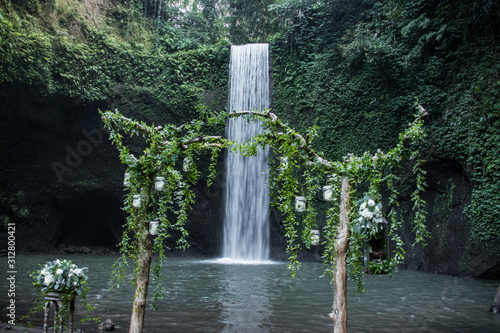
[[85, 250], [69, 249], [106, 325]]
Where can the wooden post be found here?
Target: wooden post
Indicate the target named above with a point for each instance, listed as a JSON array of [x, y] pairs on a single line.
[[339, 313], [495, 307], [59, 303], [144, 262]]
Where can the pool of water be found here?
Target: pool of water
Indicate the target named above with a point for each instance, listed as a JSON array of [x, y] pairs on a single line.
[[220, 296]]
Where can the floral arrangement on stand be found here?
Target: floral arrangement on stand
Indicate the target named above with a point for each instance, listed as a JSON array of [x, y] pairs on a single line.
[[62, 280], [61, 276]]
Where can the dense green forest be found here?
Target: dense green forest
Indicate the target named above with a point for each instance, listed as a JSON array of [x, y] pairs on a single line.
[[353, 68]]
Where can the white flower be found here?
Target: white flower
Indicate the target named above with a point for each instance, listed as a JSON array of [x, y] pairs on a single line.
[[59, 272], [371, 202], [367, 214], [362, 207], [48, 280], [78, 271]]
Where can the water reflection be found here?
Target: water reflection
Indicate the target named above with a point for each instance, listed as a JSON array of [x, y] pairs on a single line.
[[245, 297]]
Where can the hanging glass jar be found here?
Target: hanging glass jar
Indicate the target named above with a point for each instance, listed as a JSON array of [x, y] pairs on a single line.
[[137, 200], [160, 184], [327, 192], [153, 227], [300, 204], [126, 179], [186, 166], [315, 237]]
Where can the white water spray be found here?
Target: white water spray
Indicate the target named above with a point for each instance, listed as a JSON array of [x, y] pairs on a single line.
[[246, 220]]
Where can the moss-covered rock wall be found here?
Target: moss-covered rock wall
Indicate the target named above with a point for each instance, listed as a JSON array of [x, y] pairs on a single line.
[[61, 62], [357, 69]]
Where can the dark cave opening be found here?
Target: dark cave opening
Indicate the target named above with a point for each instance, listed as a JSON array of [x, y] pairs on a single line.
[[92, 218]]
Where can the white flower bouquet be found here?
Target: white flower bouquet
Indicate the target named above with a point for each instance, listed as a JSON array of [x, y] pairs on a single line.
[[61, 276], [370, 216]]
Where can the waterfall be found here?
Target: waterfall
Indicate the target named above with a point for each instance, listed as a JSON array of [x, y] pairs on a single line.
[[246, 220]]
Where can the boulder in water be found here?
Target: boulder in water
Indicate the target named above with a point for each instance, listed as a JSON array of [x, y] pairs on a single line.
[[106, 325]]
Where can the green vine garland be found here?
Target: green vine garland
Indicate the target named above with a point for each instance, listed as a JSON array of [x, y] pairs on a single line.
[[298, 164]]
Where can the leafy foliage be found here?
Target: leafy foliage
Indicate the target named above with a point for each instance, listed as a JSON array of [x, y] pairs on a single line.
[[353, 68], [85, 61], [168, 144], [249, 21], [300, 171], [164, 147]]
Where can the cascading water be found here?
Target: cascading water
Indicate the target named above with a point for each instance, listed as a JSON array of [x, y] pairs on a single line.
[[246, 226]]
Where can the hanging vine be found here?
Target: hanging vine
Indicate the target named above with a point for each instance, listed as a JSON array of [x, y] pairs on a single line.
[[371, 170]]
